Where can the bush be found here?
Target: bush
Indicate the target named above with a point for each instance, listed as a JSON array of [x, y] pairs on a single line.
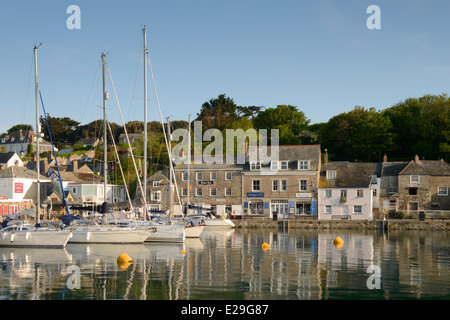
[[396, 215]]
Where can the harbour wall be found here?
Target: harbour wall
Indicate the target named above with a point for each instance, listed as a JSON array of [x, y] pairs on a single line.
[[435, 225]]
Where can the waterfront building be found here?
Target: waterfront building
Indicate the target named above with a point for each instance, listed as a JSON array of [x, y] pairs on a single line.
[[423, 186], [284, 187], [346, 190]]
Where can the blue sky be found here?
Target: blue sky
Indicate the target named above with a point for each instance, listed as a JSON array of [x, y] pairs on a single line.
[[318, 55]]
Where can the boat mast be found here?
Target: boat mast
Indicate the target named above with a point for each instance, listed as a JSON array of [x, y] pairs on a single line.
[[189, 165], [145, 119], [37, 136], [170, 170], [105, 145]]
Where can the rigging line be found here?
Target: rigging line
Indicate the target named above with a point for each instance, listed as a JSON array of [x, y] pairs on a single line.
[[54, 154], [25, 102], [128, 140], [120, 165], [90, 91], [164, 130]]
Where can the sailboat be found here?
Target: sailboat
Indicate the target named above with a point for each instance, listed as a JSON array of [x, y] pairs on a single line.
[[21, 234], [166, 231], [104, 232]]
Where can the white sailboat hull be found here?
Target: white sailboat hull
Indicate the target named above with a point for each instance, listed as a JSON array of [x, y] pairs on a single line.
[[194, 231], [35, 238], [167, 233], [108, 235], [227, 223]]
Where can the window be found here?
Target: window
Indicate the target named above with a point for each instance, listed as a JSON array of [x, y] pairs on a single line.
[[414, 178], [392, 190], [228, 175], [357, 209], [256, 207], [328, 193], [327, 209], [255, 165], [156, 196], [213, 192], [343, 193], [156, 184], [184, 192], [199, 176], [374, 192], [274, 165], [283, 185], [275, 185], [199, 191], [185, 176], [228, 191], [256, 185], [393, 205], [303, 185], [284, 165], [442, 191], [213, 176], [303, 164], [412, 191], [331, 174], [359, 193]]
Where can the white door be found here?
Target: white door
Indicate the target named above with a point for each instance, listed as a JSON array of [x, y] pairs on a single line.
[[345, 212]]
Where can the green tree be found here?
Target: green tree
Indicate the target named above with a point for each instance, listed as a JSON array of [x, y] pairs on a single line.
[[219, 113], [18, 127], [361, 134], [287, 119]]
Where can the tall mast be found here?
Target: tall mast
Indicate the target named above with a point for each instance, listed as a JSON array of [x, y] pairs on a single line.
[[145, 117], [105, 144], [38, 136], [189, 165], [170, 170]]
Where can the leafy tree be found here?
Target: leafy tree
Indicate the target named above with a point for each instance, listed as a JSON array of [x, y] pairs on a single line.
[[219, 113], [361, 134], [63, 129], [18, 127], [287, 119]]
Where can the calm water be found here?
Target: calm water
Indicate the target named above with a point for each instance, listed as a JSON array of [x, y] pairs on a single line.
[[231, 264]]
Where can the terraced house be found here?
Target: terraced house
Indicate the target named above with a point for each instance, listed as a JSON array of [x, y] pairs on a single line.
[[285, 187]]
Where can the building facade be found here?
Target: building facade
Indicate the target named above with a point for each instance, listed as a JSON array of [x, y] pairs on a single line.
[[283, 187]]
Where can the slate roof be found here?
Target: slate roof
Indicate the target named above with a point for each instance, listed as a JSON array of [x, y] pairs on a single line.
[[349, 174], [21, 172], [427, 167], [6, 156]]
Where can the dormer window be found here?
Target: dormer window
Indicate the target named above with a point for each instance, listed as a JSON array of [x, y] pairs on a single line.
[[156, 184], [414, 178], [274, 165], [331, 174], [303, 164], [284, 165], [255, 165], [12, 139]]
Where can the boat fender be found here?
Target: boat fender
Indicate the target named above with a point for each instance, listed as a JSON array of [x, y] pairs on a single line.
[[12, 237]]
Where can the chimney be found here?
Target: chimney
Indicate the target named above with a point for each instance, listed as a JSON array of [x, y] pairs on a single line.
[[34, 157], [46, 166], [325, 157], [416, 158], [75, 165], [385, 158]]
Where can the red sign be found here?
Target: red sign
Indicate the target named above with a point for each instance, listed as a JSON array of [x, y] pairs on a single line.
[[18, 187]]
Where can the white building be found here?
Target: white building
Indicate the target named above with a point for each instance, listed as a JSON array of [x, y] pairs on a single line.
[[346, 190], [9, 159]]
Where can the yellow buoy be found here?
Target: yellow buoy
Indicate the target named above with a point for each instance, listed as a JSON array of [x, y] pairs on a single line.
[[338, 242], [183, 251], [124, 261], [265, 246]]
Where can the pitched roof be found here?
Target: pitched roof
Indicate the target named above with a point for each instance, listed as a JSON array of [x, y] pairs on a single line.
[[6, 156], [349, 174], [21, 172], [427, 167]]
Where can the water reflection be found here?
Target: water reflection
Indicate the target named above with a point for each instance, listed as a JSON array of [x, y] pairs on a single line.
[[231, 264]]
